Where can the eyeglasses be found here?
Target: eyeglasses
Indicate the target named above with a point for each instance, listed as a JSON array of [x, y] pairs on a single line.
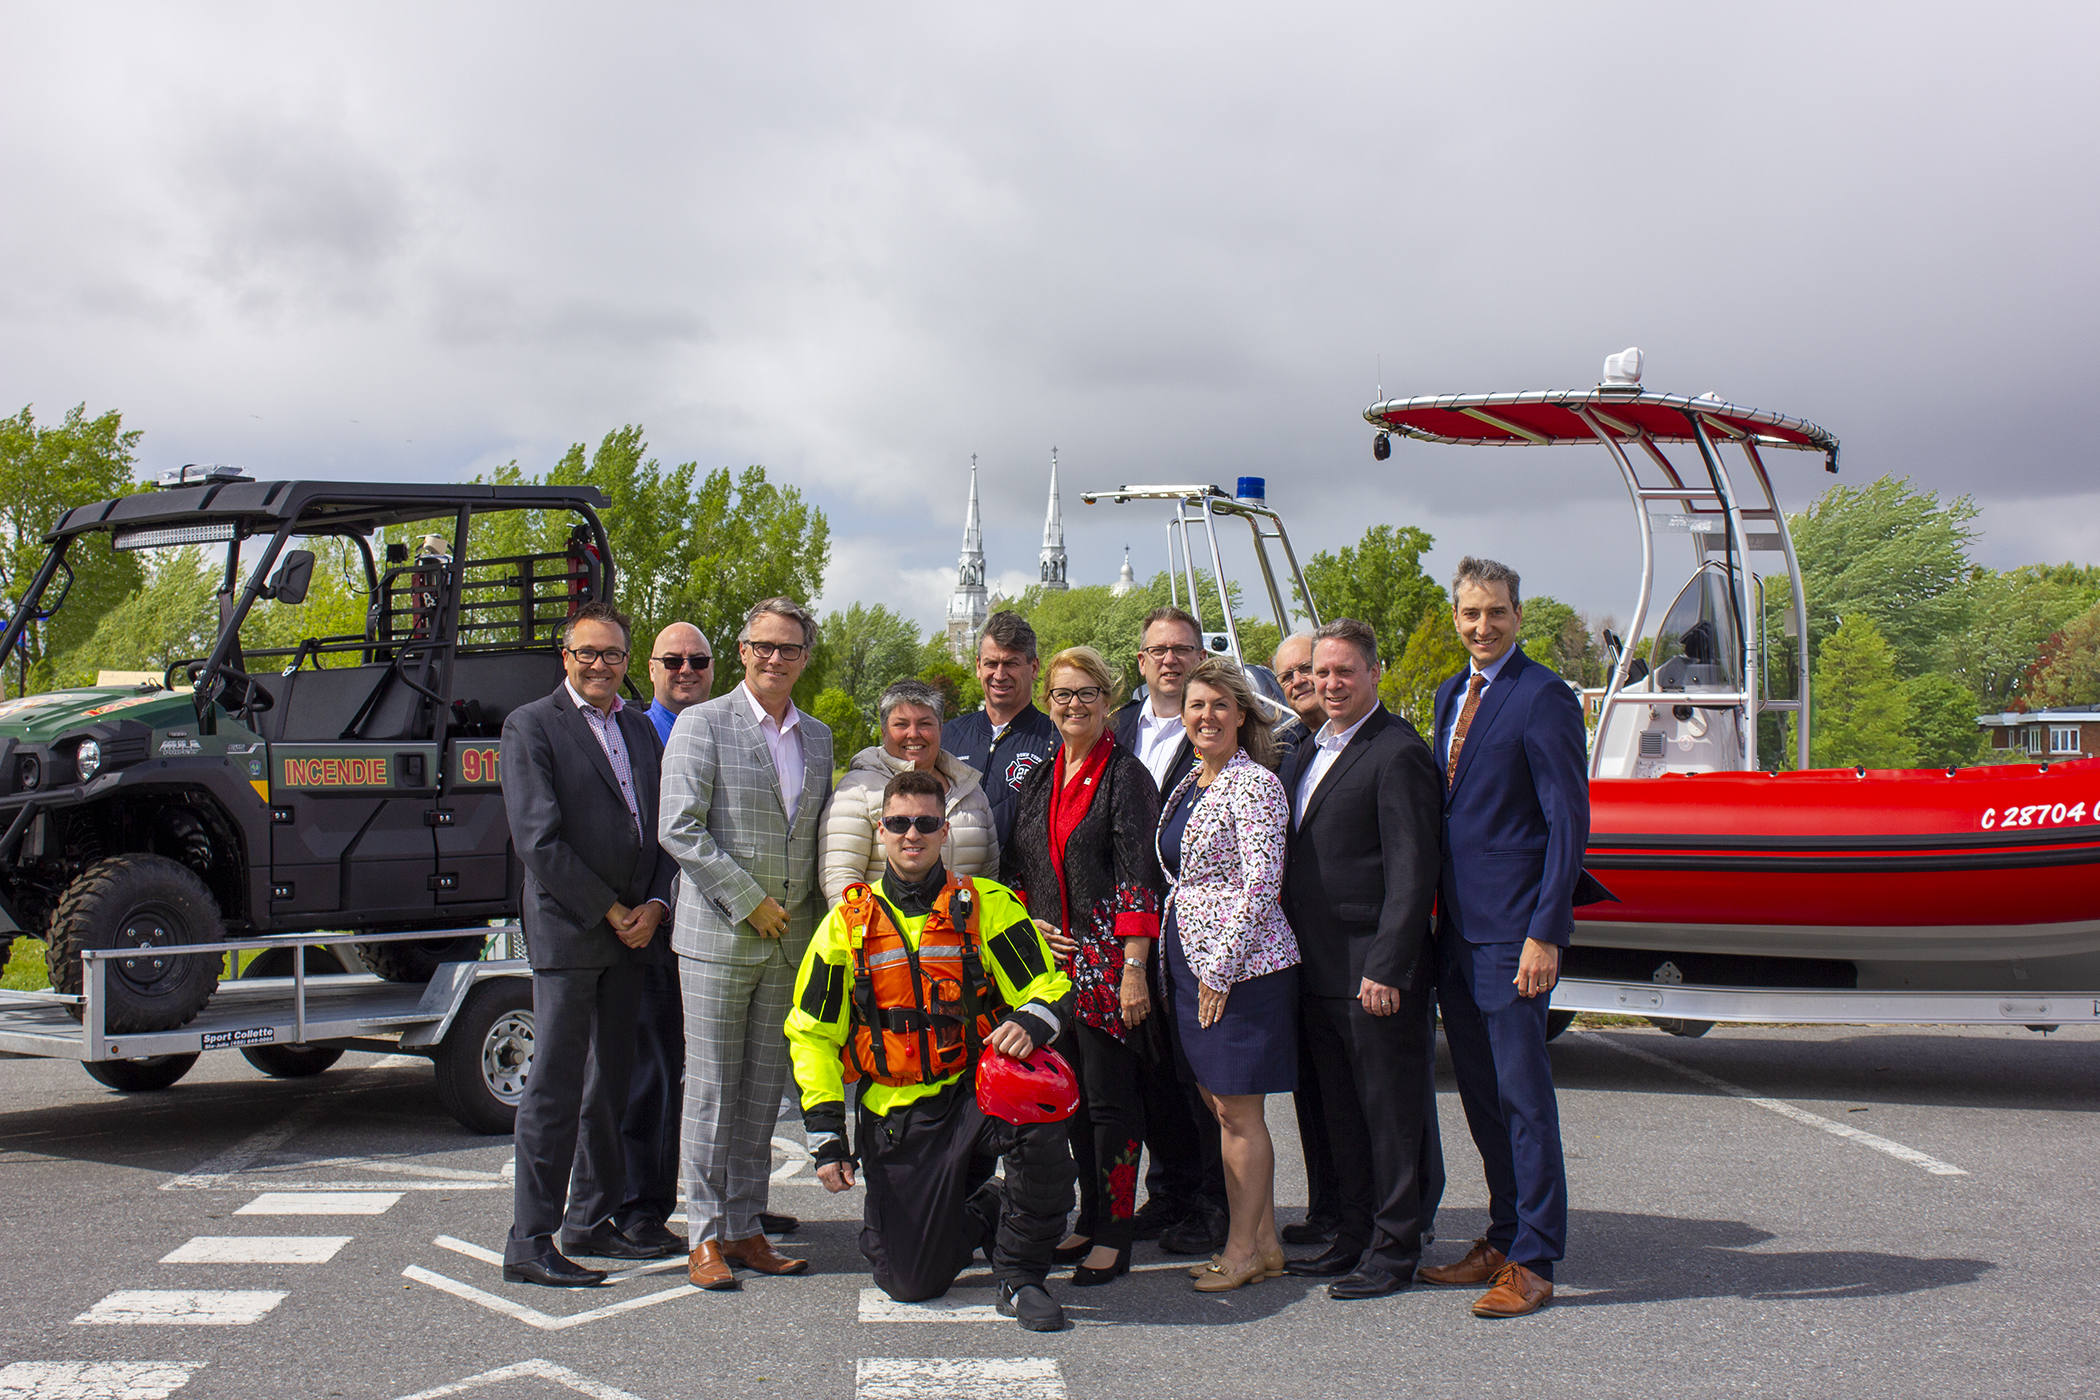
[[699, 662], [786, 651], [591, 656], [1085, 695], [925, 826], [1163, 653], [1303, 668]]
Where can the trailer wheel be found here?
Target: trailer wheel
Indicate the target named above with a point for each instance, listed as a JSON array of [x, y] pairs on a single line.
[[1558, 1021], [417, 959], [292, 1061], [1690, 1030], [144, 902], [142, 1075], [484, 1060]]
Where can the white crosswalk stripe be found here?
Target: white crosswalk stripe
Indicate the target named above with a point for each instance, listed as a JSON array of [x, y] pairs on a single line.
[[258, 1249], [93, 1380], [188, 1307], [958, 1378], [321, 1203]]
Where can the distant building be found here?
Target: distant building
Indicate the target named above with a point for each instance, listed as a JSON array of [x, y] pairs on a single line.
[[969, 606], [1051, 566], [2044, 734], [1126, 580]]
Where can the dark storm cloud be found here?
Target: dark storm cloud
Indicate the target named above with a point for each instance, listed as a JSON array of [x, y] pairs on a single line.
[[1178, 242]]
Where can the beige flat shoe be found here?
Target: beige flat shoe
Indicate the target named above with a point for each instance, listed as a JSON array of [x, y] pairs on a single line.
[[1272, 1264], [1217, 1278]]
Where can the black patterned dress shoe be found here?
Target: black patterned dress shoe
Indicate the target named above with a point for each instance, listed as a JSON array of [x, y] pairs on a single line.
[[1335, 1262], [553, 1271], [608, 1241], [1201, 1231], [1368, 1282], [777, 1224], [656, 1237]]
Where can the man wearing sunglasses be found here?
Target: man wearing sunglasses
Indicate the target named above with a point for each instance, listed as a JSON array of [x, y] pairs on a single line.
[[889, 987], [682, 670], [746, 778]]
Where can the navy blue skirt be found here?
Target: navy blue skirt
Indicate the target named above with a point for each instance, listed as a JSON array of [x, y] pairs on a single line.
[[1253, 1047]]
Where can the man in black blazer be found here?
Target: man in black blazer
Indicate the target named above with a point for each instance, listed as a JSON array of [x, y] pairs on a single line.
[[580, 789], [1358, 885]]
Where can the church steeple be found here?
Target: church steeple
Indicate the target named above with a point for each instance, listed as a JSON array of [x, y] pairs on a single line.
[[968, 607], [1052, 566], [1124, 581]]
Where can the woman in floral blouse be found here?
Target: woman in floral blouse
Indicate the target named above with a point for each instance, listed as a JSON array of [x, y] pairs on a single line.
[[1082, 858], [1231, 958]]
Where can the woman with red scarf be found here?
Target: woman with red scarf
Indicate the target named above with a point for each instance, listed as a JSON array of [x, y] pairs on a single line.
[[1082, 859]]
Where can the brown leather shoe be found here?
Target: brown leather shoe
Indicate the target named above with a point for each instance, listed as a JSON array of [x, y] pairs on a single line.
[[758, 1253], [1482, 1262], [707, 1268], [1517, 1291]]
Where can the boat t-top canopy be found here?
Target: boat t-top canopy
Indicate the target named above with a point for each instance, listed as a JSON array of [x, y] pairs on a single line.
[[1634, 426], [1550, 417]]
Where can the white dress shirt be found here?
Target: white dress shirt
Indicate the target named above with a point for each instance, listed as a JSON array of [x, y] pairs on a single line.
[[784, 742], [1443, 748], [1327, 747], [1157, 738]]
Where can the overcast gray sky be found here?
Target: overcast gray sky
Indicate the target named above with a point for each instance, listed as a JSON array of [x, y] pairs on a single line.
[[859, 243]]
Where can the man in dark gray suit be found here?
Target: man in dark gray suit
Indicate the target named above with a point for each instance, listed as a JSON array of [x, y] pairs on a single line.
[[580, 787], [745, 781]]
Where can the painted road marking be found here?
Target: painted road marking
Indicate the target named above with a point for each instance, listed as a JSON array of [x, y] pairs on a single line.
[[533, 1317], [384, 1164], [951, 1378], [189, 1307], [797, 1158], [251, 1149], [93, 1380], [878, 1306], [258, 1249], [1785, 1110], [541, 1370], [321, 1203]]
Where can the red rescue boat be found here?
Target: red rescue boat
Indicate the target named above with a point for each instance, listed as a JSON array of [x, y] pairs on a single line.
[[1743, 894]]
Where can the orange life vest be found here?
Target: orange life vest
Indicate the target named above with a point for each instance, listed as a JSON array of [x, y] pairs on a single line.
[[919, 1015]]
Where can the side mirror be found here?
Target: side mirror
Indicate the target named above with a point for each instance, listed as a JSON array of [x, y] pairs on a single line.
[[293, 577]]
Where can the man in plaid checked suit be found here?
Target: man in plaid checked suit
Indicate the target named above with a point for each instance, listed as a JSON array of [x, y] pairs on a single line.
[[745, 780]]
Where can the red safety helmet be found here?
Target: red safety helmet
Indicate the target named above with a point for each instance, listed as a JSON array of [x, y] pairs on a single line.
[[1039, 1089]]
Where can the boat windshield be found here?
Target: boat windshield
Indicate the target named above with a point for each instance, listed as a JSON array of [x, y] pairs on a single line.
[[1697, 647]]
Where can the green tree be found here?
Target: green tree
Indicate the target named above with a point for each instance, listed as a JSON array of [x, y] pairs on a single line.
[[850, 730], [1557, 636], [751, 539], [2066, 672], [864, 649], [173, 617], [1943, 721], [1433, 655], [44, 472], [1378, 580], [2011, 616], [960, 691], [1862, 707], [1890, 554]]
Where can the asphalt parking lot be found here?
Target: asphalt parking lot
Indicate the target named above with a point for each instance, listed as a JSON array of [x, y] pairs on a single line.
[[1781, 1211]]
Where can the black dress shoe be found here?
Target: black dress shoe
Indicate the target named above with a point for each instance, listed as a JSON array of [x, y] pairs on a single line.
[[553, 1271], [1084, 1277], [1201, 1231], [1368, 1282], [1312, 1230], [1030, 1306], [1335, 1262], [655, 1235], [1064, 1254], [777, 1224], [608, 1241], [1156, 1217]]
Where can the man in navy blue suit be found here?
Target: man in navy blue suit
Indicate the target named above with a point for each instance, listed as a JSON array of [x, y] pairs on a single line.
[[1509, 743]]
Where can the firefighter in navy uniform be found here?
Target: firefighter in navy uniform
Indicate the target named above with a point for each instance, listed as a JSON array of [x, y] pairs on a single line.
[[906, 988]]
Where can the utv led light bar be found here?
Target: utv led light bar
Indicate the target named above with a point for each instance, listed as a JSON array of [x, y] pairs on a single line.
[[173, 534]]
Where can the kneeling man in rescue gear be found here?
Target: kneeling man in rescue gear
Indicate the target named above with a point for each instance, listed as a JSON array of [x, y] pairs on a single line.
[[904, 988]]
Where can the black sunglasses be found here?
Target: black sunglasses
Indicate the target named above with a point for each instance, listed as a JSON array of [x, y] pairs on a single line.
[[699, 661], [926, 826]]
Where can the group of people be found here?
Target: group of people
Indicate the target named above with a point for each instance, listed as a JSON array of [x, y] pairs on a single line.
[[1079, 938]]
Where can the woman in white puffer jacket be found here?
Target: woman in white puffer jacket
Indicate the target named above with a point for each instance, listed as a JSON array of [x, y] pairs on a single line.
[[847, 850]]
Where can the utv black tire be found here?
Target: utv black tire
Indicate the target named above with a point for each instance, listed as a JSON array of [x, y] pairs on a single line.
[[418, 959], [486, 1056], [292, 1061], [148, 902], [140, 1076], [1558, 1021]]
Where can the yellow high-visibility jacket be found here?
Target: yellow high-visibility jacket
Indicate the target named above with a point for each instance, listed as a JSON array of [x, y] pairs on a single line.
[[820, 1022]]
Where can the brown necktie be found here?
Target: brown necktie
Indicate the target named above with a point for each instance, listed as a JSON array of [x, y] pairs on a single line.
[[1465, 722]]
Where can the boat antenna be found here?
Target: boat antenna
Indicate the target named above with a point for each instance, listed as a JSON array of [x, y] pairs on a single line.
[[1380, 361]]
